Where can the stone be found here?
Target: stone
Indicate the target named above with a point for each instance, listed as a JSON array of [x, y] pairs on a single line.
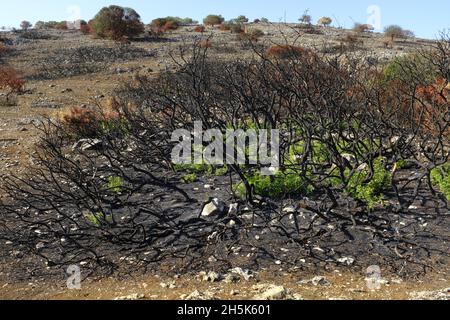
[[316, 281], [215, 207], [289, 209], [233, 210], [134, 296], [87, 144], [346, 260], [349, 157], [168, 285], [210, 276], [231, 223], [241, 273], [197, 295], [271, 292], [231, 278]]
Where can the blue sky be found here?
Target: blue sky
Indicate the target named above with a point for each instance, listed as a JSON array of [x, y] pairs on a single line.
[[425, 18]]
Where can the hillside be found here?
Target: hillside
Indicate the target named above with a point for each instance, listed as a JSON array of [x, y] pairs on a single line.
[[67, 69]]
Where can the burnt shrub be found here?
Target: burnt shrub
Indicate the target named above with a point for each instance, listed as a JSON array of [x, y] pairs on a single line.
[[342, 131]]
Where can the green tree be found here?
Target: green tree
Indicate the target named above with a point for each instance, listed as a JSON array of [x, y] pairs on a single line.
[[213, 20], [116, 22]]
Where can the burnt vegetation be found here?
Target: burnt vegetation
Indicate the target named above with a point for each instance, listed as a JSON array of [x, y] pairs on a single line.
[[361, 155]]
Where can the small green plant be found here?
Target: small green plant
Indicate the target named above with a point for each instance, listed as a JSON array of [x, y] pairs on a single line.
[[411, 68], [189, 178], [115, 184], [370, 192], [440, 177], [275, 187], [221, 171], [97, 219]]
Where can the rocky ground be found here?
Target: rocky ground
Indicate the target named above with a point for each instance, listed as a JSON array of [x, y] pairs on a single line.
[[66, 69], [237, 285]]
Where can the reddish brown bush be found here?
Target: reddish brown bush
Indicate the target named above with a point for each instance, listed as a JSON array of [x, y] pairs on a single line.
[[10, 79], [3, 50], [251, 35], [200, 29], [170, 25], [87, 123], [286, 51], [205, 44], [86, 27]]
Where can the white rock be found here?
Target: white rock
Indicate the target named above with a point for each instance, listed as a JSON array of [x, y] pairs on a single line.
[[210, 276], [346, 260], [244, 274], [87, 144], [233, 210], [349, 157], [134, 296], [197, 295], [289, 209], [316, 281], [212, 208], [271, 292]]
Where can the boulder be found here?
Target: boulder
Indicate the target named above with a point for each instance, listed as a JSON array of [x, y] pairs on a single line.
[[213, 208]]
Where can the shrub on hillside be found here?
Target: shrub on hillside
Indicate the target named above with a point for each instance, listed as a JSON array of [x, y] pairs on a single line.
[[57, 25], [92, 123], [3, 50], [352, 40], [396, 32], [362, 28], [115, 22], [25, 25], [86, 27], [225, 27], [205, 44], [236, 28], [213, 20], [10, 79], [325, 21], [165, 24], [199, 29], [286, 51], [241, 19], [305, 19], [252, 35], [412, 69]]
